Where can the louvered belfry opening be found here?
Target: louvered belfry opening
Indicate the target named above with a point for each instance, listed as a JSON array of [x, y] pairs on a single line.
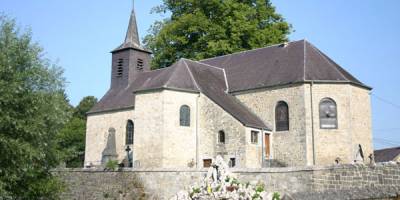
[[120, 69], [139, 65]]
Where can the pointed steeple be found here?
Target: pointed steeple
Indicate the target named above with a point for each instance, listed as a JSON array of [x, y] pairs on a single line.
[[132, 35]]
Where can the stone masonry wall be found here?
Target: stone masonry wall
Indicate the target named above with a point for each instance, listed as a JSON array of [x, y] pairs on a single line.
[[288, 147], [97, 134], [361, 118], [148, 137], [212, 119], [334, 182], [254, 151], [179, 142], [354, 123], [295, 147]]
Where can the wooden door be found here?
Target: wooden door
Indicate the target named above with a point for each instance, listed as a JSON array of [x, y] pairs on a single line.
[[267, 146]]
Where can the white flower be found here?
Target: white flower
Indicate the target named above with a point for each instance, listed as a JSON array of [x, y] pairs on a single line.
[[220, 183]]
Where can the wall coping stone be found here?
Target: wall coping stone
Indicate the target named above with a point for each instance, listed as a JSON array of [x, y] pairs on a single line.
[[236, 170]]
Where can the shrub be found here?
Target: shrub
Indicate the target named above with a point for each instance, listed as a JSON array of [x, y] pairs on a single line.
[[112, 165]]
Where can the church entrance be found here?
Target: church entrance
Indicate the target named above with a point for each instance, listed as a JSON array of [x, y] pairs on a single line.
[[267, 145]]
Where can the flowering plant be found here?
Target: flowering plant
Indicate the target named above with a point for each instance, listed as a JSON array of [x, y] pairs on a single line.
[[222, 185]]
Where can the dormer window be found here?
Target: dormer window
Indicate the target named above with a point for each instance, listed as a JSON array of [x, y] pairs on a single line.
[[140, 64], [120, 68]]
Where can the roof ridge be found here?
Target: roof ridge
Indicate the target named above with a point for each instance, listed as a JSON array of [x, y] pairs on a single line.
[[245, 51], [170, 77], [222, 69], [389, 148], [191, 74], [226, 81], [329, 62], [208, 65]]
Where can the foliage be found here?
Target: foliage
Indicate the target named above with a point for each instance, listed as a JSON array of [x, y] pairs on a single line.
[[221, 184], [204, 29], [111, 165], [230, 188], [71, 139], [33, 110], [84, 106], [276, 196]]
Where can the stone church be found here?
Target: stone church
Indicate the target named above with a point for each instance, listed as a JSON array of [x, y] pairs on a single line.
[[281, 105]]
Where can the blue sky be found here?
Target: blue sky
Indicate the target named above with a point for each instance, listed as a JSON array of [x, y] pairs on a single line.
[[361, 35]]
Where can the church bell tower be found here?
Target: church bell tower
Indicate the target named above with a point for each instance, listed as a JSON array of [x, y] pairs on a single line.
[[130, 58]]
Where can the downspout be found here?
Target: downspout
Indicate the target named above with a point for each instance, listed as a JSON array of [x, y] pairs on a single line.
[[197, 131], [312, 121], [262, 147]]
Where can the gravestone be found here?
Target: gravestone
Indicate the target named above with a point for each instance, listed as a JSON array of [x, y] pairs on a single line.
[[110, 151]]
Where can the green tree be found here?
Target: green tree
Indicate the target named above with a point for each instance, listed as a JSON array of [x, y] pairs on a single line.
[[203, 29], [71, 140], [33, 110], [84, 106]]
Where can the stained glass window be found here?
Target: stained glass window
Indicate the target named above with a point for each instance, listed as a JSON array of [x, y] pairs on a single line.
[[282, 116], [184, 118], [328, 114]]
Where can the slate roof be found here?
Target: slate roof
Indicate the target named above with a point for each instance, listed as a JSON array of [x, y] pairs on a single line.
[[294, 62], [132, 36], [177, 76], [386, 155], [114, 99], [217, 78], [193, 76], [212, 83]]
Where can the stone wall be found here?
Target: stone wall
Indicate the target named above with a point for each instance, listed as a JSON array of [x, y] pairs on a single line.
[[305, 139], [148, 137], [254, 151], [159, 140], [179, 142], [354, 123], [289, 147], [334, 182], [212, 119], [97, 129]]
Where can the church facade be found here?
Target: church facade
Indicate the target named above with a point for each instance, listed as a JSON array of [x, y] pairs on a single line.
[[285, 105]]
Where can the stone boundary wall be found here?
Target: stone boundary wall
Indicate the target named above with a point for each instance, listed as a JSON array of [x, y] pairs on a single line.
[[381, 181]]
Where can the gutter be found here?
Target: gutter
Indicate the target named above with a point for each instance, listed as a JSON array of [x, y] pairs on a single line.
[[257, 127], [110, 110], [165, 88], [290, 84]]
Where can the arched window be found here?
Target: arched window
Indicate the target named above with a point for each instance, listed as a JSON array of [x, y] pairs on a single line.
[[184, 116], [282, 116], [328, 114], [221, 137], [129, 132]]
